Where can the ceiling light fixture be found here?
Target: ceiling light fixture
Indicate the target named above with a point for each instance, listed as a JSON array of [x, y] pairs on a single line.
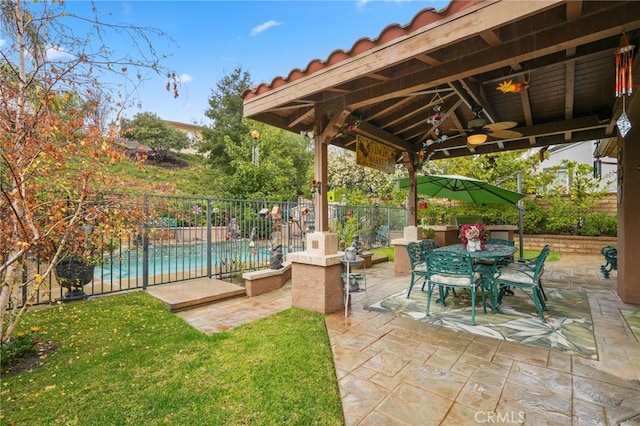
[[476, 139]]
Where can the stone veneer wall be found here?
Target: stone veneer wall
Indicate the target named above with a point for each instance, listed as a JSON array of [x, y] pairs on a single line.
[[567, 244]]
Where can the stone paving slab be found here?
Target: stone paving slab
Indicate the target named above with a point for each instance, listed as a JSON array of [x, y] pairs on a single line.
[[189, 294]]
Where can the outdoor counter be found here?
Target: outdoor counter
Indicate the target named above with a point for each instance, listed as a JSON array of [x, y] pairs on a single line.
[[445, 236], [448, 234]]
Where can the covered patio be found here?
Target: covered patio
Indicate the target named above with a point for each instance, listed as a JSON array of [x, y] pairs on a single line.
[[418, 91], [400, 370]]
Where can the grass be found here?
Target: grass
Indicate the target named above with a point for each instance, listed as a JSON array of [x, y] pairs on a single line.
[[196, 179], [530, 254], [384, 251], [126, 359]]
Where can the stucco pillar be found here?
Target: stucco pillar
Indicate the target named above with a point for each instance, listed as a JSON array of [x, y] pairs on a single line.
[[401, 262], [629, 208], [316, 280]]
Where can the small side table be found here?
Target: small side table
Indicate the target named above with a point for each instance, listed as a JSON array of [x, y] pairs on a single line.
[[356, 279]]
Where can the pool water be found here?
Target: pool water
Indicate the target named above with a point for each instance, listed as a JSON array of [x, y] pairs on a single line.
[[170, 259]]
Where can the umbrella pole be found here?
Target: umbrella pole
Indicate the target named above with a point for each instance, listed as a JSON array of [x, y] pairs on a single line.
[[520, 217]]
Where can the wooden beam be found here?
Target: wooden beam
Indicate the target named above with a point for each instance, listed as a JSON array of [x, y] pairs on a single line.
[[488, 147], [574, 10], [369, 130], [537, 131], [545, 42], [334, 125], [321, 161]]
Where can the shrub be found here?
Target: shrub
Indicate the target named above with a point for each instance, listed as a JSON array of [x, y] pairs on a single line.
[[535, 218], [498, 214], [562, 216], [596, 224], [19, 346]]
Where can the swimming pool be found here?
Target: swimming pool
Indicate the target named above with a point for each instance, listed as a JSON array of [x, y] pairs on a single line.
[[187, 260]]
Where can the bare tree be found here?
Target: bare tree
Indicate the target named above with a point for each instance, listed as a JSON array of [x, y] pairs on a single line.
[[55, 136]]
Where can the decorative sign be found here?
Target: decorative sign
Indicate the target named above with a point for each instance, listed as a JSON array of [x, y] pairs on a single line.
[[375, 155]]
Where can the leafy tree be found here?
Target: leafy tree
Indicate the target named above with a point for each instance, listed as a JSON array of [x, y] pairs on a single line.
[[227, 125], [285, 158], [149, 129], [53, 151], [281, 174], [502, 168], [567, 212], [345, 174]]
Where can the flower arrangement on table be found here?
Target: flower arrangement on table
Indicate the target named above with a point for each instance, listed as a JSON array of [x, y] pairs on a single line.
[[474, 233]]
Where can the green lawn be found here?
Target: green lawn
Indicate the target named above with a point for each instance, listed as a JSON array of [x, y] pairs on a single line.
[[384, 251], [126, 359], [530, 254]]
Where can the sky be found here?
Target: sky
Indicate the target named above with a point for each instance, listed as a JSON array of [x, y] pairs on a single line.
[[207, 40]]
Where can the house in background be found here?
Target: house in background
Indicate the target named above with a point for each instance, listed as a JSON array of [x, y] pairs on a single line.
[[194, 133], [583, 153]]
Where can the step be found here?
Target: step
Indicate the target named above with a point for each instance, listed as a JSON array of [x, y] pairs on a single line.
[[191, 293], [379, 259]]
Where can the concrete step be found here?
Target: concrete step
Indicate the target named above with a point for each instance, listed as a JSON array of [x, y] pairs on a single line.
[[379, 259], [191, 293]]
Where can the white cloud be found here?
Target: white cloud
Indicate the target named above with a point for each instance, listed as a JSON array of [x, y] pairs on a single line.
[[185, 78], [361, 4], [2, 42], [56, 52], [263, 27]]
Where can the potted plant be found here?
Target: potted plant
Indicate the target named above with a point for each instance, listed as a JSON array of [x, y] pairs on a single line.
[[77, 261], [428, 233]]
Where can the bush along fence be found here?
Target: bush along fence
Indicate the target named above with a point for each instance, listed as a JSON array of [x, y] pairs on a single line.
[[183, 238]]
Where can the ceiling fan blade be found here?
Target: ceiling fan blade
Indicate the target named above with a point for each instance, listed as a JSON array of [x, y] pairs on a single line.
[[458, 131], [501, 125], [505, 134]]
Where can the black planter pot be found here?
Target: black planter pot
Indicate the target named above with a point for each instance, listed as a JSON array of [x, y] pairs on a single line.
[[73, 274]]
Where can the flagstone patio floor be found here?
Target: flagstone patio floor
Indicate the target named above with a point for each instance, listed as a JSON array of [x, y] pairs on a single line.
[[398, 371]]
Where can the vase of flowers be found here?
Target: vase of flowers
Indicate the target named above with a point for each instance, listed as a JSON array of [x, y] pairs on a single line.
[[473, 237]]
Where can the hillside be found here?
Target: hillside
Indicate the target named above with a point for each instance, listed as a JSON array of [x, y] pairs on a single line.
[[183, 174]]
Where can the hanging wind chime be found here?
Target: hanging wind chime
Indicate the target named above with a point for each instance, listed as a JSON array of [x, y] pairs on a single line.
[[624, 81], [435, 120]]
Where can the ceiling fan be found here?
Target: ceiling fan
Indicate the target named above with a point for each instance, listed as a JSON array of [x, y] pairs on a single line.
[[478, 131]]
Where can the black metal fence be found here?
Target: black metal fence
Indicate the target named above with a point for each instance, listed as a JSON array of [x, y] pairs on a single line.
[[182, 238]]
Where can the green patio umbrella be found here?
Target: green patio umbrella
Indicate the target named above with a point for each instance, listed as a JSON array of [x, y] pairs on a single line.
[[455, 187]]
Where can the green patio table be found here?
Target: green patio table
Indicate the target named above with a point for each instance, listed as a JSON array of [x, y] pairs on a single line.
[[493, 252]]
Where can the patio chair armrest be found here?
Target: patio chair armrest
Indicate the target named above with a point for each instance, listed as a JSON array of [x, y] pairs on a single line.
[[518, 266], [523, 271]]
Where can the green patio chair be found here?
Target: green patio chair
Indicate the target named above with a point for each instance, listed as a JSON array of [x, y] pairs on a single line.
[[417, 252], [531, 263], [526, 277], [453, 270], [428, 245], [418, 265], [491, 263]]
